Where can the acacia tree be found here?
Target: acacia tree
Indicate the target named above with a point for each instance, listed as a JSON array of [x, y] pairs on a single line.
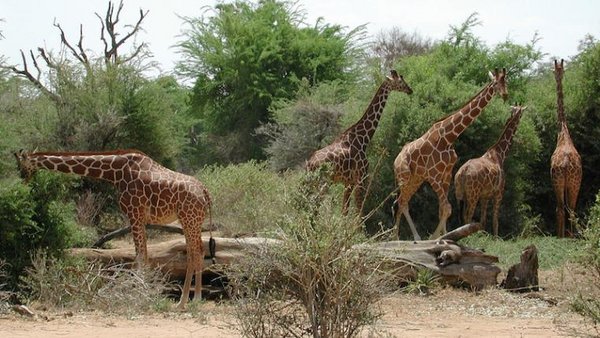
[[102, 101], [243, 56]]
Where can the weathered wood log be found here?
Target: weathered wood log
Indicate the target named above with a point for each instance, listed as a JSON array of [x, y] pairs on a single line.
[[523, 277], [453, 262], [172, 228]]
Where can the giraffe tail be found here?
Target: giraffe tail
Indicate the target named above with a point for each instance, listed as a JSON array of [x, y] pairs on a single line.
[[212, 245]]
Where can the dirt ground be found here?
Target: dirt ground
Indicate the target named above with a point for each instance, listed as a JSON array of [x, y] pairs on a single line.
[[445, 313]]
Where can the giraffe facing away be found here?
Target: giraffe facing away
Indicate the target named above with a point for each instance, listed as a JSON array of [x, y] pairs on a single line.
[[148, 193], [348, 152], [481, 179], [565, 164], [431, 157]]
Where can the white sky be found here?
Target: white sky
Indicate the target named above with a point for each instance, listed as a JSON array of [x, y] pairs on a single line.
[[27, 24]]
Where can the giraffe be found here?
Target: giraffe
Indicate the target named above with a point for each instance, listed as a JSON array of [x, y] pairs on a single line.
[[148, 193], [348, 152], [482, 178], [432, 156], [565, 164]]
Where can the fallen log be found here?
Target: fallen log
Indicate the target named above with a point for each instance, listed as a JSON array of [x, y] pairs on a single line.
[[454, 263]]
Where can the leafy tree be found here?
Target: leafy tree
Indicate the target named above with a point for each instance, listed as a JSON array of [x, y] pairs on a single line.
[[243, 56]]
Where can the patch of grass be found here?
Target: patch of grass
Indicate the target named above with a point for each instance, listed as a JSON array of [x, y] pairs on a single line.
[[425, 280], [552, 252]]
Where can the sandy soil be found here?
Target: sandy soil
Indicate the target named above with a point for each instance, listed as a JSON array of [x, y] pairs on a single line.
[[445, 313]]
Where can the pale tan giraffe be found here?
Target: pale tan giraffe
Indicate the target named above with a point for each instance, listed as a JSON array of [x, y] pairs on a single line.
[[565, 165], [431, 157], [482, 178], [348, 152], [148, 193]]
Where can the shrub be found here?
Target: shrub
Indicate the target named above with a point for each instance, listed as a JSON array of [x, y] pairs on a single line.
[[73, 283], [33, 217], [247, 198], [590, 259], [316, 281]]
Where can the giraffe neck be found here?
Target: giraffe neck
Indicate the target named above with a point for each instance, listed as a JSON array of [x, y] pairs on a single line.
[[563, 129], [502, 146], [452, 126], [369, 121], [100, 166]]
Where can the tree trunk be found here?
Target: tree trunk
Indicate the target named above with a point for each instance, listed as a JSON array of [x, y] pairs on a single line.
[[523, 277], [453, 262]]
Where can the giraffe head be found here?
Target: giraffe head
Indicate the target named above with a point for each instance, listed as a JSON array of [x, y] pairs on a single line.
[[499, 82], [559, 69], [396, 82], [25, 165], [516, 111]]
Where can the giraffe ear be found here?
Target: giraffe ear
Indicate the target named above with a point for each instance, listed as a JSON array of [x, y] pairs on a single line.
[[562, 63], [393, 74], [491, 76], [523, 108]]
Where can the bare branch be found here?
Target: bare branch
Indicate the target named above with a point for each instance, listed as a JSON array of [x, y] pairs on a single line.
[[35, 79], [108, 24]]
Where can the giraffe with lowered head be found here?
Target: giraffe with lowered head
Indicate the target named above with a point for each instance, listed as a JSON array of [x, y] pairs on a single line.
[[481, 179], [431, 157], [148, 193], [348, 152], [565, 164]]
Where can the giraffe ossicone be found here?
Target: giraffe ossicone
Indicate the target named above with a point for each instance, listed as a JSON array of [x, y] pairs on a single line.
[[148, 193], [347, 154], [431, 157]]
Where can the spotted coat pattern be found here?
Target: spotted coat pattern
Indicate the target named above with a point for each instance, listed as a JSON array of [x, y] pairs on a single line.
[[481, 179], [148, 193], [348, 152], [431, 157], [565, 165]]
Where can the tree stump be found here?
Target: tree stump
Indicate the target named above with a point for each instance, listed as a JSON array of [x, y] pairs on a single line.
[[523, 277]]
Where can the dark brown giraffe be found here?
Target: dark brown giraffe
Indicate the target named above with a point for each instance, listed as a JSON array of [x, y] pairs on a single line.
[[431, 157], [565, 164], [348, 152], [482, 178], [148, 193]]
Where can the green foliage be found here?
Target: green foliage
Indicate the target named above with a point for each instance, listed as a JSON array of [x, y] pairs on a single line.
[[315, 277], [552, 252], [247, 198], [590, 259], [292, 135], [35, 217], [243, 57]]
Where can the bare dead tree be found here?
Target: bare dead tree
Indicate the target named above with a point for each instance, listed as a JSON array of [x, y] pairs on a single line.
[[392, 44], [109, 25]]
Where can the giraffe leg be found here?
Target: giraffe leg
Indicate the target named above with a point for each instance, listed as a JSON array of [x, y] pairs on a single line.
[[571, 195], [138, 232], [346, 199], [445, 209], [404, 196], [469, 210], [359, 195], [559, 190], [185, 294], [483, 212], [497, 202]]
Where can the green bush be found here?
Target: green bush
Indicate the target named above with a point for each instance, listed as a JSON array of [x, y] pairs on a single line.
[[34, 217], [590, 259], [248, 197], [316, 281]]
